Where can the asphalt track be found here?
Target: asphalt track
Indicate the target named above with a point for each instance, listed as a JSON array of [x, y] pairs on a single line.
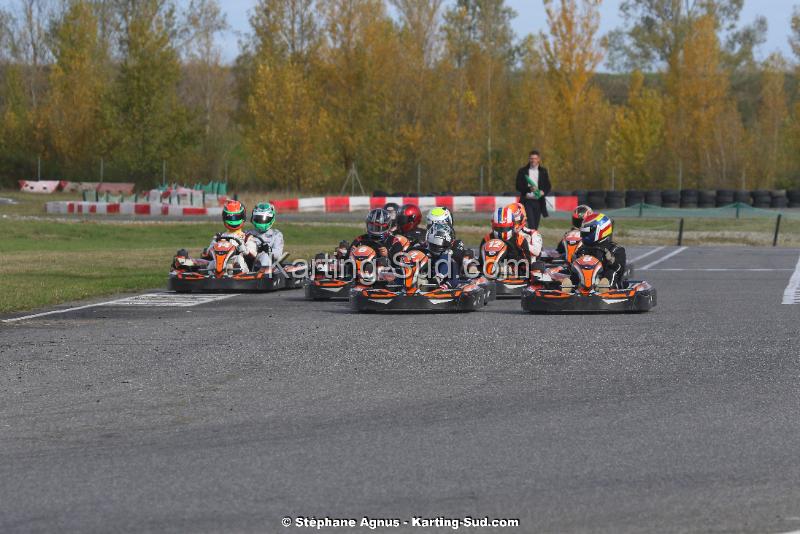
[[230, 414]]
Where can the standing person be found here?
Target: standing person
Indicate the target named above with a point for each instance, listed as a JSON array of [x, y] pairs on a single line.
[[533, 183]]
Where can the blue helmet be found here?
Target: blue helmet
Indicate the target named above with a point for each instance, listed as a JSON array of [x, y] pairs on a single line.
[[596, 229]]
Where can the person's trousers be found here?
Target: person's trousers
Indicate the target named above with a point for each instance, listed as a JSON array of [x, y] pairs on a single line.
[[533, 210]]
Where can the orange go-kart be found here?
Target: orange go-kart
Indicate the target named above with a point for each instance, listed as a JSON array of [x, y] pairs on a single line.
[[510, 277], [584, 289], [223, 271], [409, 288], [333, 277]]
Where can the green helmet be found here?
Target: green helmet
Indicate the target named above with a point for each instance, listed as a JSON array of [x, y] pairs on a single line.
[[263, 216]]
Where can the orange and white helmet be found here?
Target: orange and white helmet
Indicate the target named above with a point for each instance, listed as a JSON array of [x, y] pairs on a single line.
[[503, 223], [520, 218]]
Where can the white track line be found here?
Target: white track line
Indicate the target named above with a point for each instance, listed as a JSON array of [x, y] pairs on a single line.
[[643, 256], [663, 258], [65, 310], [148, 299], [791, 295]]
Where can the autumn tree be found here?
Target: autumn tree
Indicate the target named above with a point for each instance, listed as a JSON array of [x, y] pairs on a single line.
[[771, 129], [418, 90], [637, 136], [480, 54], [700, 109], [79, 82], [653, 31], [207, 88], [358, 78], [579, 115], [286, 127]]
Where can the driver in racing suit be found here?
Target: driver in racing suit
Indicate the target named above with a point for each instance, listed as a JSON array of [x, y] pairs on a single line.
[[519, 244], [531, 235], [265, 243], [596, 234], [234, 215], [380, 237], [408, 220], [578, 215], [446, 261]]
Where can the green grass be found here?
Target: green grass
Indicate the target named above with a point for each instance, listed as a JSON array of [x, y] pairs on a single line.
[[47, 262]]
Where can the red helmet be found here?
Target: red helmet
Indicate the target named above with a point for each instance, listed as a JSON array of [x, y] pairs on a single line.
[[520, 219], [409, 217], [580, 213]]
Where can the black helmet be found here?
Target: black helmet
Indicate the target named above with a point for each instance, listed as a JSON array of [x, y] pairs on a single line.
[[439, 238], [579, 214], [379, 223]]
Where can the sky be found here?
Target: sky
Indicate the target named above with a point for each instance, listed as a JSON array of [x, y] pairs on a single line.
[[530, 19]]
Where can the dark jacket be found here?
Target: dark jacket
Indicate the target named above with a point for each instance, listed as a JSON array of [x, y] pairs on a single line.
[[524, 189]]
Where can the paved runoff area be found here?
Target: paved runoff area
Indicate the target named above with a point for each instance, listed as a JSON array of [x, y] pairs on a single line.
[[212, 413]]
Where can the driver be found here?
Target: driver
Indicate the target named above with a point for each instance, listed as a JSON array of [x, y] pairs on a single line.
[[596, 233], [447, 261], [439, 214], [265, 243], [408, 219], [578, 215], [503, 228], [234, 215], [531, 235], [380, 237]]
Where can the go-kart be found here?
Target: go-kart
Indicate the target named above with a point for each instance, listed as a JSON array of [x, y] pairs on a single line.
[[226, 271], [410, 288], [510, 277], [333, 277], [571, 244], [584, 289]]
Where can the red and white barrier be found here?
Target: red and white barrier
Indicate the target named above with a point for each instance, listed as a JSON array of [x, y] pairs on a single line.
[[454, 203], [314, 204], [39, 186], [130, 208]]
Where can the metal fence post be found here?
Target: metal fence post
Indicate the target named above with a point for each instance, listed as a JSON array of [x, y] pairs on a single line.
[[641, 208], [680, 232], [777, 229]]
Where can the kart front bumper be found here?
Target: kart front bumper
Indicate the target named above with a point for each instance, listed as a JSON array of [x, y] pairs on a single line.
[[636, 297], [185, 282], [471, 298]]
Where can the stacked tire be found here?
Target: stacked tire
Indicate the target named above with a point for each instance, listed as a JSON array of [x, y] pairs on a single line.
[[742, 197], [596, 199], [794, 198], [582, 195], [761, 198], [778, 199], [670, 198], [689, 198], [707, 198], [633, 197], [653, 198], [724, 197], [615, 200]]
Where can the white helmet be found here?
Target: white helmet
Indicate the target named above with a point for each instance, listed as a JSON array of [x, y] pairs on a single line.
[[439, 215]]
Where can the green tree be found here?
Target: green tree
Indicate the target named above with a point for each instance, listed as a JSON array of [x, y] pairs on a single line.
[[148, 122], [79, 81], [208, 90]]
